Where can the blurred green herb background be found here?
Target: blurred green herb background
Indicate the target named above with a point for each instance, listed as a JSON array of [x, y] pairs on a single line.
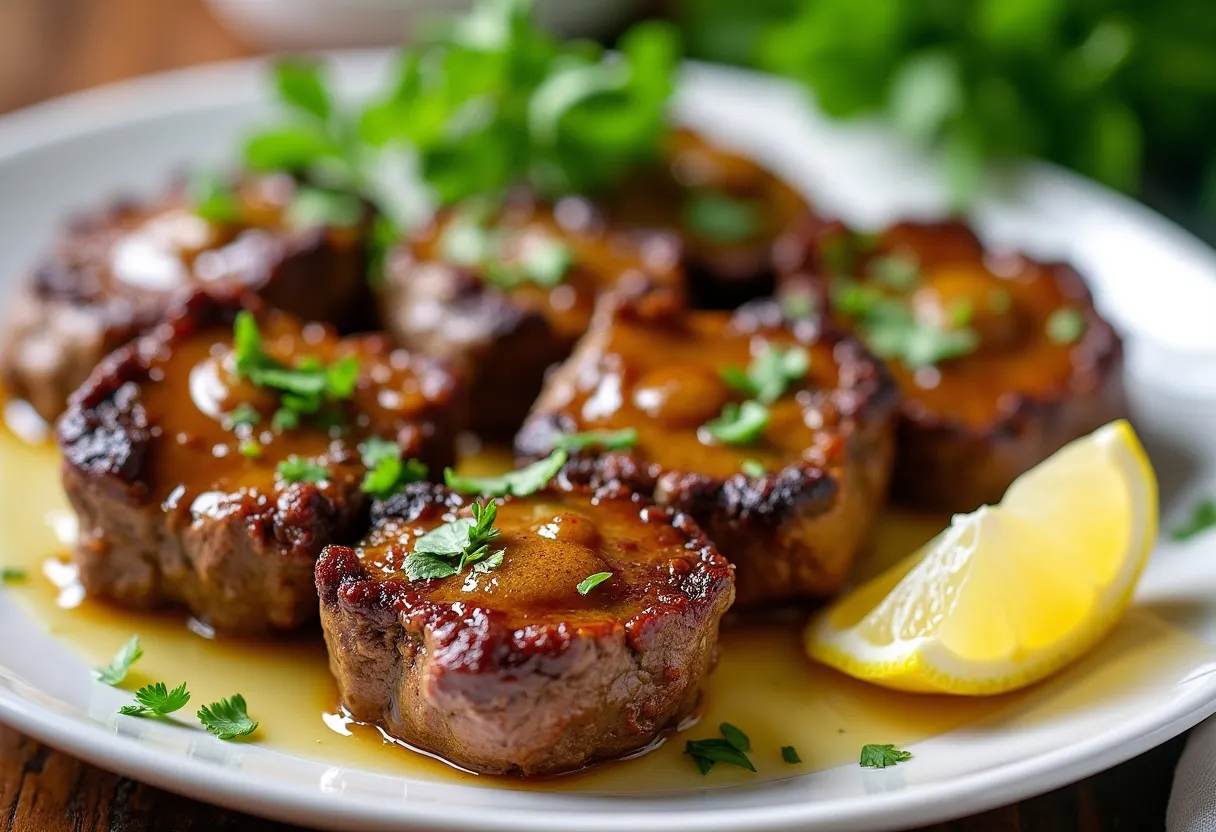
[[1123, 91]]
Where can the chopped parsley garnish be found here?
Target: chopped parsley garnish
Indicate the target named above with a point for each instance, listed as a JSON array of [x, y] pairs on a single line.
[[1203, 517], [387, 473], [889, 328], [592, 581], [753, 468], [608, 440], [250, 448], [446, 550], [897, 272], [213, 198], [303, 389], [300, 469], [960, 313], [731, 749], [316, 207], [116, 670], [157, 700], [881, 756], [790, 755], [721, 218], [739, 424], [1065, 326], [542, 260], [244, 415], [12, 574], [518, 483], [770, 373], [228, 718]]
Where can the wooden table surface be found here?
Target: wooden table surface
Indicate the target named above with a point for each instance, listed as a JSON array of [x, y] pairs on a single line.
[[51, 47]]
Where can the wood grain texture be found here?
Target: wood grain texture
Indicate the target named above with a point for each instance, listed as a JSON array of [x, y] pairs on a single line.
[[51, 47]]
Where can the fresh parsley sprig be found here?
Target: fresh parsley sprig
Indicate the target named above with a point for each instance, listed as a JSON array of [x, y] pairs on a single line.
[[227, 718], [446, 551], [157, 700], [541, 259], [770, 373], [731, 749], [592, 581], [608, 440], [882, 756], [12, 574], [387, 473], [1203, 518], [304, 389], [114, 672], [518, 483], [739, 424], [296, 469]]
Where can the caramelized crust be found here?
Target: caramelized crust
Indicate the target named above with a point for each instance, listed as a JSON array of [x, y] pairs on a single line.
[[971, 423], [114, 274], [792, 532], [179, 505], [513, 671], [506, 335], [726, 266]]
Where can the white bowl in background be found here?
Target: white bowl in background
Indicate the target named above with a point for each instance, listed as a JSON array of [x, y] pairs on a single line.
[[315, 24]]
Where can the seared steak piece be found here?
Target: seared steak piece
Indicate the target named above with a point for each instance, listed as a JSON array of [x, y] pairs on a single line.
[[775, 434], [505, 293], [727, 209], [513, 670], [1001, 359], [193, 488], [115, 273]]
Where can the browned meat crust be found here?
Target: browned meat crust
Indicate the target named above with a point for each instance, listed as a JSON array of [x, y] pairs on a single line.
[[76, 308], [791, 532], [992, 414], [507, 336], [727, 209], [518, 674], [167, 519]]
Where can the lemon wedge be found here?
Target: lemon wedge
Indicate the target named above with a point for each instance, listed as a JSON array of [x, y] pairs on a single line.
[[1010, 593]]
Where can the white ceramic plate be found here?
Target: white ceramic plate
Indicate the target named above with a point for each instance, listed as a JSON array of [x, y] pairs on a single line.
[[1153, 279]]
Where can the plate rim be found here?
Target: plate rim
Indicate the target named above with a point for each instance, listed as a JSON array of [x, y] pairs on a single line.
[[228, 83]]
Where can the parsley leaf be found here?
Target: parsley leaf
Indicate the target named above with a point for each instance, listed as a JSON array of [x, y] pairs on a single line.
[[739, 424], [299, 84], [299, 469], [881, 756], [1203, 517], [889, 328], [542, 259], [227, 719], [116, 670], [592, 581], [707, 752], [244, 415], [608, 440], [1065, 326], [317, 207], [770, 373], [446, 550], [790, 755], [12, 574], [519, 483], [213, 198], [753, 468], [387, 473], [720, 217], [157, 700], [735, 737], [894, 271]]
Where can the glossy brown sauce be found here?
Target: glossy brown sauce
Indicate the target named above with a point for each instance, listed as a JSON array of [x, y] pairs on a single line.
[[1010, 298], [601, 258], [551, 541], [663, 378], [192, 388]]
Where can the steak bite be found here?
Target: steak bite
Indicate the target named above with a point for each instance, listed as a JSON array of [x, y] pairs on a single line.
[[727, 209], [542, 663], [210, 476], [1001, 359], [506, 292], [774, 434], [115, 273]]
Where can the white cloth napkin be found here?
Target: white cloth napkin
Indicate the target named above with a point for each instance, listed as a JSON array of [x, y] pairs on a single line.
[[1193, 799]]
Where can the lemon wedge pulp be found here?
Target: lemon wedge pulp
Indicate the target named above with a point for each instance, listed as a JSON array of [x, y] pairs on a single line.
[[1010, 593]]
